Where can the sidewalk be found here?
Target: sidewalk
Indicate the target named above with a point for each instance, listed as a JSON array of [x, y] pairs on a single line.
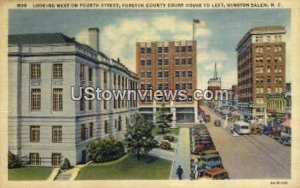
[[182, 156]]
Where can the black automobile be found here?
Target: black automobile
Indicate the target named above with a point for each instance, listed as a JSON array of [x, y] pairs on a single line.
[[217, 123]]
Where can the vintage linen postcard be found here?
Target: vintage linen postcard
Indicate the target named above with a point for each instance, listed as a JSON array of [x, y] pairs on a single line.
[[154, 93]]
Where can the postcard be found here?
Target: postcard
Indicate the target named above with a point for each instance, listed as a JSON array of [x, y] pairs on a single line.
[[153, 93]]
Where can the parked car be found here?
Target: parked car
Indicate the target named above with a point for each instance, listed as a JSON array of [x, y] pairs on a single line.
[[210, 161], [216, 174], [267, 130], [275, 134], [205, 145], [208, 152], [199, 140], [217, 123], [256, 130], [285, 140]]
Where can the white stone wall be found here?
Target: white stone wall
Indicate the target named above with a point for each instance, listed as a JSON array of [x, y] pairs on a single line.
[[71, 118]]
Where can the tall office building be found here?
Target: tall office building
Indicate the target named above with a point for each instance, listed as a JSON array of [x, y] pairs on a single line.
[[261, 61], [213, 85], [44, 124], [168, 66]]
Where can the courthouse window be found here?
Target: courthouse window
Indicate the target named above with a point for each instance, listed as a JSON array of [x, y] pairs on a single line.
[[35, 71], [91, 130], [81, 72], [105, 126], [57, 71], [83, 132], [34, 159], [36, 99], [57, 99], [105, 77], [56, 134], [56, 159], [90, 74], [34, 133]]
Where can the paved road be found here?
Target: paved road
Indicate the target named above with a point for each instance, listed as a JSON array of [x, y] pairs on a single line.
[[250, 156], [182, 155]]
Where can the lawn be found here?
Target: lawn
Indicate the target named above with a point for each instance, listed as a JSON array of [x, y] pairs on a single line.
[[29, 173], [127, 167], [157, 131]]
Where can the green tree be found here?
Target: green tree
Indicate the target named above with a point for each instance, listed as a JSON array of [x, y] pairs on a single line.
[[105, 150], [13, 160], [138, 137], [163, 120]]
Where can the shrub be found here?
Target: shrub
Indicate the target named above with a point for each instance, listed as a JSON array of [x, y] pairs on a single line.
[[165, 145], [13, 160], [169, 138], [105, 150], [65, 164]]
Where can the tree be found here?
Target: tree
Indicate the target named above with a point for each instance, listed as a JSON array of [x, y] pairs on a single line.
[[163, 120], [13, 160], [105, 150], [65, 164], [138, 137]]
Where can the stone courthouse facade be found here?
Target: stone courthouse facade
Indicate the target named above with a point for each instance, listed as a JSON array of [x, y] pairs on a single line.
[[45, 124]]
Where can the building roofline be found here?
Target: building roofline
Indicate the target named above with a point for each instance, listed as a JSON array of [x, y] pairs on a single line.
[[68, 40], [261, 30]]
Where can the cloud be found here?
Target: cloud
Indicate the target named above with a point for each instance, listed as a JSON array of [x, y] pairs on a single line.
[[211, 55], [119, 38], [229, 79]]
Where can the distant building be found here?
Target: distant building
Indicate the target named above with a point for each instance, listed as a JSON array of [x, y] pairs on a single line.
[[234, 89], [44, 124], [276, 104], [168, 66], [288, 98], [261, 65], [213, 85]]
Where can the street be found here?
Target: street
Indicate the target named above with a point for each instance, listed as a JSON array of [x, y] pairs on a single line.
[[250, 156]]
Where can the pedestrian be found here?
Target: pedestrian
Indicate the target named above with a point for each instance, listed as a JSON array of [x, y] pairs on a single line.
[[196, 171], [179, 172]]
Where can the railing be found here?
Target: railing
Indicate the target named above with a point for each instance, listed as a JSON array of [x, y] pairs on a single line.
[[41, 161]]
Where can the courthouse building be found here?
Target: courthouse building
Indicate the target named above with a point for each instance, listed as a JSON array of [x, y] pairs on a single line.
[[45, 125], [168, 66], [261, 65]]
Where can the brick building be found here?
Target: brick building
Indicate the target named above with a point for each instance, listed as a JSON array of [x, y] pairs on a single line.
[[261, 62], [168, 66]]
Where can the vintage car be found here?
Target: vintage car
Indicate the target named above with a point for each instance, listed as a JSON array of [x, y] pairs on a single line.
[[207, 118], [216, 174], [205, 145], [285, 140], [203, 132], [217, 123], [207, 152], [199, 140], [275, 133], [209, 161], [267, 130], [256, 130]]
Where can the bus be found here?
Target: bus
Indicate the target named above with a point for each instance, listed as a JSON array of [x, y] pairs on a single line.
[[241, 127]]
